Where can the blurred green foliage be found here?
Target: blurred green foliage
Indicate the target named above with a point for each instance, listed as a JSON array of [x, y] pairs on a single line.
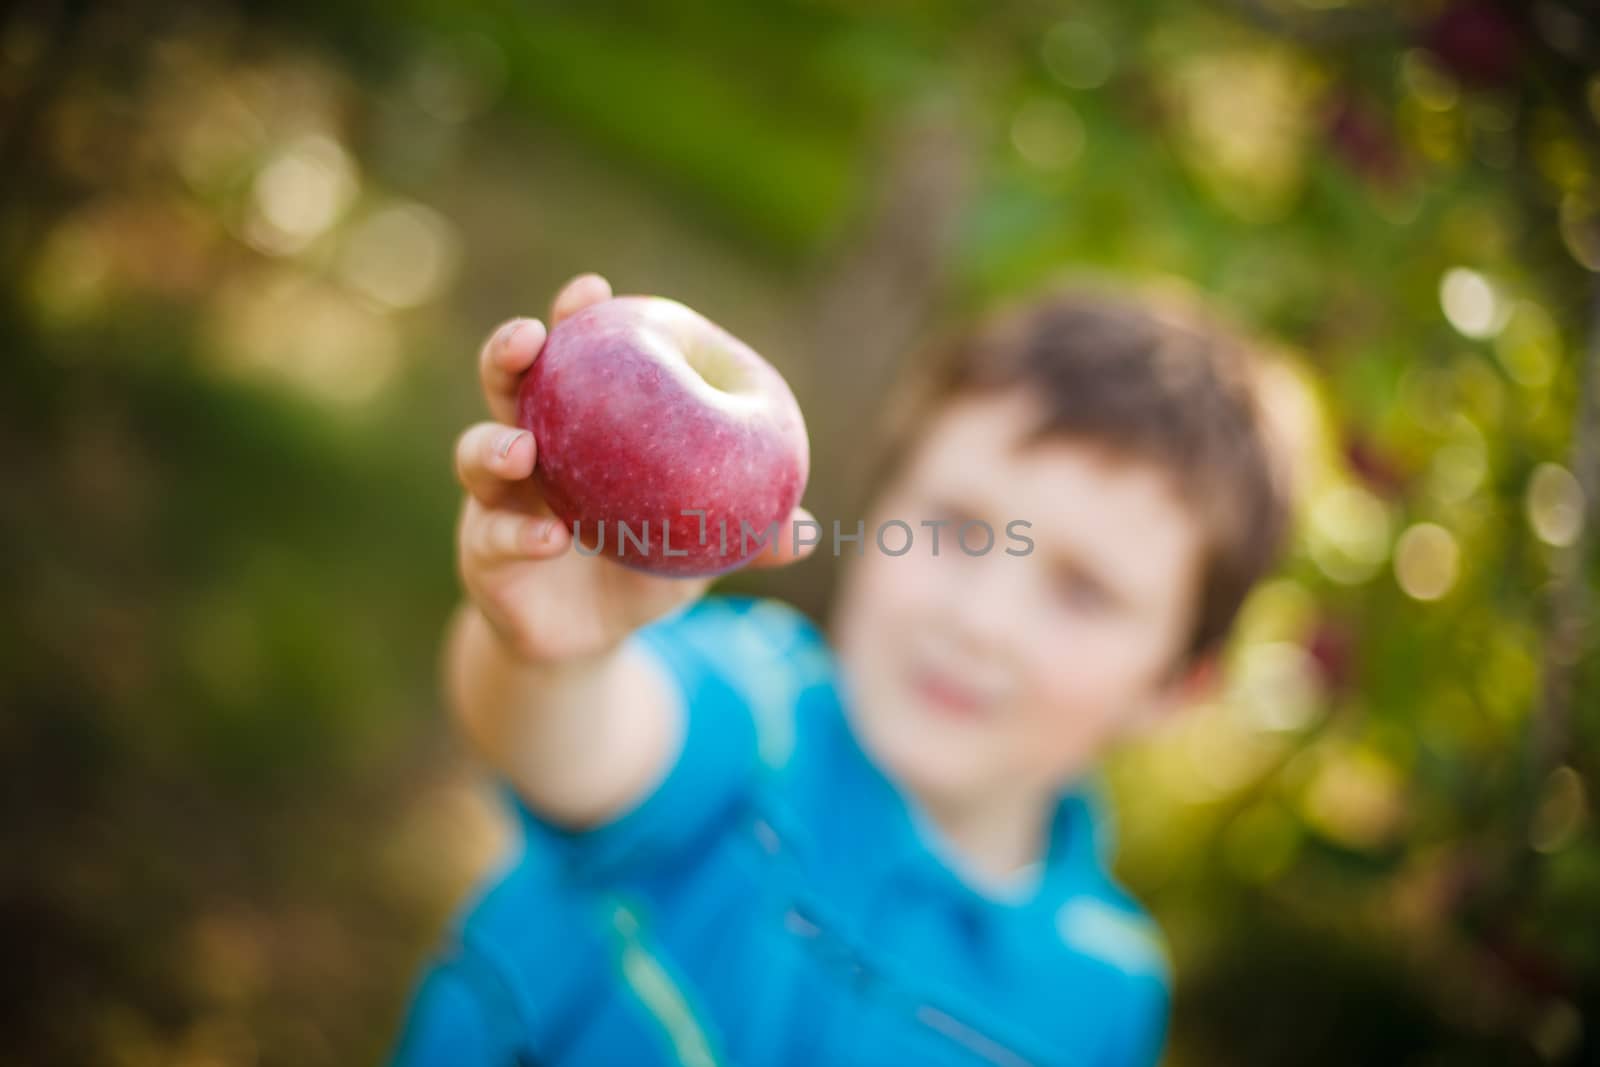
[[247, 255]]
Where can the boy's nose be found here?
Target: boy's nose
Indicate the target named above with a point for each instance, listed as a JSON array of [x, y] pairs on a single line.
[[982, 609]]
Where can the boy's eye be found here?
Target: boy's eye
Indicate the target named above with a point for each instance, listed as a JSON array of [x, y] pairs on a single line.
[[952, 514], [1081, 591]]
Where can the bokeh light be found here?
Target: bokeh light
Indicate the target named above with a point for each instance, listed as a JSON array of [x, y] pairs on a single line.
[[1529, 348], [401, 255], [1555, 505], [1350, 533], [1471, 303], [1563, 810], [458, 78], [300, 193], [1077, 54], [1459, 467], [1048, 133], [1276, 687], [1427, 561]]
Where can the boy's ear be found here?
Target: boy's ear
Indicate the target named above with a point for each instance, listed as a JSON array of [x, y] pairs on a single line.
[[1194, 683], [1201, 680]]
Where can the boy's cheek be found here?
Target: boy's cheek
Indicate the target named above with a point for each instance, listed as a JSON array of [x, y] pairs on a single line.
[[901, 589], [1066, 743], [1075, 711]]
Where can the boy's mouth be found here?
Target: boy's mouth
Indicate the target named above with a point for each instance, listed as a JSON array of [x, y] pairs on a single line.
[[948, 696]]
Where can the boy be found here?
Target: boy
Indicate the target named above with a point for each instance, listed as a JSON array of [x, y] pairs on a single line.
[[744, 846]]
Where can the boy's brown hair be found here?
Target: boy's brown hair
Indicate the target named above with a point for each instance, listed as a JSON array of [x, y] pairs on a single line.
[[1140, 377]]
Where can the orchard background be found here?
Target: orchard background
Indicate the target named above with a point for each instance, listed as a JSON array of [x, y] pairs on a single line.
[[247, 252]]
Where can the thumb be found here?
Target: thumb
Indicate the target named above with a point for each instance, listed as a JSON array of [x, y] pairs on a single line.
[[797, 538]]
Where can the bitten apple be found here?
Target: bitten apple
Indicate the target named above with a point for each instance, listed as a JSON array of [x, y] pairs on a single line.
[[664, 442]]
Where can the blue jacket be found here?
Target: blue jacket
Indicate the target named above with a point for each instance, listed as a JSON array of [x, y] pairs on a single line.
[[776, 901]]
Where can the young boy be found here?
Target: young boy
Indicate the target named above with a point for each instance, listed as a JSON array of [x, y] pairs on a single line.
[[746, 844]]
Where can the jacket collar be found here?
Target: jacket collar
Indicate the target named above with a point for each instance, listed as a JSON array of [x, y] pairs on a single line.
[[860, 837]]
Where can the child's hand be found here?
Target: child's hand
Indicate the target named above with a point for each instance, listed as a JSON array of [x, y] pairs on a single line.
[[547, 603]]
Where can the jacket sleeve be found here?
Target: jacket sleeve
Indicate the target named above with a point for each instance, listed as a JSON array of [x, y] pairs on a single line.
[[729, 659]]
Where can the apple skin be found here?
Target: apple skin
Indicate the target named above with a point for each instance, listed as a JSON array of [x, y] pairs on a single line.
[[629, 430]]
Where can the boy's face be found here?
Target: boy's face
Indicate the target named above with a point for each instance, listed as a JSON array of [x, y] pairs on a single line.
[[990, 674]]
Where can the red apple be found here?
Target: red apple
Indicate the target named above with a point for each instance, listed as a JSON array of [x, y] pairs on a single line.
[[675, 435]]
